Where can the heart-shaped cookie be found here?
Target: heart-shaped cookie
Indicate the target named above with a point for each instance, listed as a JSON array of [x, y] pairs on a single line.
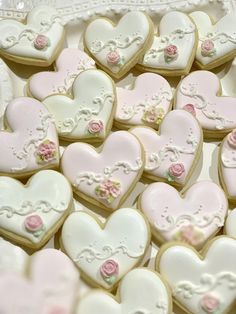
[[89, 114], [146, 103], [104, 253], [173, 49], [68, 65], [37, 41], [140, 292], [30, 142], [227, 165], [104, 176], [230, 224], [217, 42], [201, 284], [117, 48], [6, 90], [31, 214], [215, 113], [171, 154], [192, 217]]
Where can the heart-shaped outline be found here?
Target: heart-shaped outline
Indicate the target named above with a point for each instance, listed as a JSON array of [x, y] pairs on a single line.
[[139, 272], [89, 113], [107, 250], [173, 38], [154, 160], [124, 69], [31, 238], [145, 98], [67, 66], [123, 165], [201, 257], [30, 29], [186, 218]]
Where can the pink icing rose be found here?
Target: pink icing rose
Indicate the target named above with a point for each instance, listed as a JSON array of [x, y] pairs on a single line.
[[58, 310], [231, 138], [108, 190], [46, 152], [207, 47], [113, 57], [189, 234], [41, 42], [95, 126], [209, 303], [190, 108], [114, 191], [170, 52], [33, 223], [153, 115], [176, 170], [109, 268], [103, 192]]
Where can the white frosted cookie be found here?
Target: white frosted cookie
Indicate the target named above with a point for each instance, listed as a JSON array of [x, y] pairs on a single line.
[[104, 176], [173, 152], [173, 49], [146, 103], [217, 41], [201, 284], [215, 113], [87, 114], [142, 291], [230, 224], [31, 214], [192, 217], [35, 41], [117, 48], [104, 253]]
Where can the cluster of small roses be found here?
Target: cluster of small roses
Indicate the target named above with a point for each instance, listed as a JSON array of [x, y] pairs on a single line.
[[108, 190]]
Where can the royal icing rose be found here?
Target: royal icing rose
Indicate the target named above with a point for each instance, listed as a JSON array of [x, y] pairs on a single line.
[[170, 52], [154, 114], [108, 190], [176, 171], [190, 108], [189, 234], [41, 42], [207, 48], [46, 152], [33, 223], [113, 57], [95, 126], [231, 138], [209, 303], [109, 271]]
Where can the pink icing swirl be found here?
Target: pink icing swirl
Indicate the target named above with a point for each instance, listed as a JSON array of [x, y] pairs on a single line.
[[210, 303], [33, 223], [207, 48], [190, 108], [109, 268], [176, 170], [95, 126], [41, 42], [231, 138], [113, 57]]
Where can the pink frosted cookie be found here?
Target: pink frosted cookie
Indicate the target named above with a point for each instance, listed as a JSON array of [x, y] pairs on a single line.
[[87, 114], [50, 287], [30, 214], [104, 253], [35, 41], [227, 165], [215, 113], [145, 104], [201, 284], [217, 41], [68, 65], [141, 291], [172, 153], [173, 49], [30, 141], [192, 217], [117, 48], [104, 176]]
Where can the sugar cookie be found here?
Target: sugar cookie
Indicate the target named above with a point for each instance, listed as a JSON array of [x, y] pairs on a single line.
[[230, 224]]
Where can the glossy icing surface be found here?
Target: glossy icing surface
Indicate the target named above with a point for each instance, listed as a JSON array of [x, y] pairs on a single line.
[[115, 46], [175, 29], [69, 64], [214, 113], [141, 292], [177, 143], [92, 102], [123, 240], [104, 176], [30, 211], [32, 142], [230, 224], [201, 284], [146, 103], [191, 218], [221, 35]]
